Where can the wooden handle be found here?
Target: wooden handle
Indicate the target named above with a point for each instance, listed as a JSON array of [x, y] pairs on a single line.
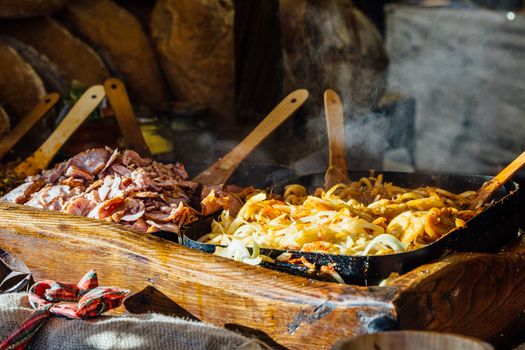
[[337, 171], [221, 170], [28, 122], [490, 187], [78, 113], [119, 102]]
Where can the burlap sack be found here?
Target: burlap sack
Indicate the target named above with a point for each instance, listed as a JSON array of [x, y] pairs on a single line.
[[147, 331]]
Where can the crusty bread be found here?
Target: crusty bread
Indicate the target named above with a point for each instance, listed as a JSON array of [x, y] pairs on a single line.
[[20, 87], [29, 8], [5, 124], [74, 58], [194, 40], [53, 78], [331, 44], [120, 39]]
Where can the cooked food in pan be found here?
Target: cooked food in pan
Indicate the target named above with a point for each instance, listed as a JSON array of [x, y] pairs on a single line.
[[365, 217]]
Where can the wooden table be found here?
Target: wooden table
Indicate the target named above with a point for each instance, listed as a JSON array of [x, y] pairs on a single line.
[[480, 295]]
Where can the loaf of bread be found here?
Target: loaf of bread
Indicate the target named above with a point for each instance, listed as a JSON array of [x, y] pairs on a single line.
[[121, 41], [331, 44], [5, 124], [53, 78], [195, 42], [73, 58], [20, 86], [29, 8]]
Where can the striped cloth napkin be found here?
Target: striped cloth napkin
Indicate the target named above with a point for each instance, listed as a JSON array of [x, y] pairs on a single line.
[[49, 298]]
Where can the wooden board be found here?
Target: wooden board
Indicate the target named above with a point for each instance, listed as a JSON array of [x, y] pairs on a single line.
[[473, 294]]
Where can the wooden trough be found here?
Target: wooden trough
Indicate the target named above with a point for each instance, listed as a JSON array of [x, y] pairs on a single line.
[[480, 295]]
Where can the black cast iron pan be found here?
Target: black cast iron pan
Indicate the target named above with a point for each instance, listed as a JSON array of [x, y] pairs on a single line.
[[487, 232]]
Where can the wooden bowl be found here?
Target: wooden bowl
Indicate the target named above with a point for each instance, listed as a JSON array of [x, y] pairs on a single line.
[[412, 340]]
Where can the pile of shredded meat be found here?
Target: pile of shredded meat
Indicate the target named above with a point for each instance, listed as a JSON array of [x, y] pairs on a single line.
[[121, 187]]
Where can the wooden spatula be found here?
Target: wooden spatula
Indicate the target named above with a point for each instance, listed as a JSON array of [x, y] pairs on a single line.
[[490, 187], [28, 122], [337, 171], [78, 113], [221, 170], [119, 102]]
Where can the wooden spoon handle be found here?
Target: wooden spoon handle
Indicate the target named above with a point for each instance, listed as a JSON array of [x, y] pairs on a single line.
[[511, 169], [78, 113], [337, 170], [28, 122], [335, 127], [490, 187], [221, 170], [127, 122]]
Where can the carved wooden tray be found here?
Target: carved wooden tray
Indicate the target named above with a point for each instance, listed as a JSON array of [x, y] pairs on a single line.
[[479, 295]]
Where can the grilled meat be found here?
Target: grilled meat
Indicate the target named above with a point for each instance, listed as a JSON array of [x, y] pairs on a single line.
[[113, 185]]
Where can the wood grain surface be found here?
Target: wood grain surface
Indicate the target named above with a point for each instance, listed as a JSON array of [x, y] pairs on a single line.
[[295, 312], [472, 294]]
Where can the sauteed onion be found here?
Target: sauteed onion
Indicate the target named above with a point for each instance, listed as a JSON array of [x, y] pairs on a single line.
[[365, 217]]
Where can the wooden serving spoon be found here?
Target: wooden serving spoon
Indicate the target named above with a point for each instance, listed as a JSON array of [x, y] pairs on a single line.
[[28, 122], [127, 122], [221, 170], [337, 171], [490, 187], [78, 113]]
